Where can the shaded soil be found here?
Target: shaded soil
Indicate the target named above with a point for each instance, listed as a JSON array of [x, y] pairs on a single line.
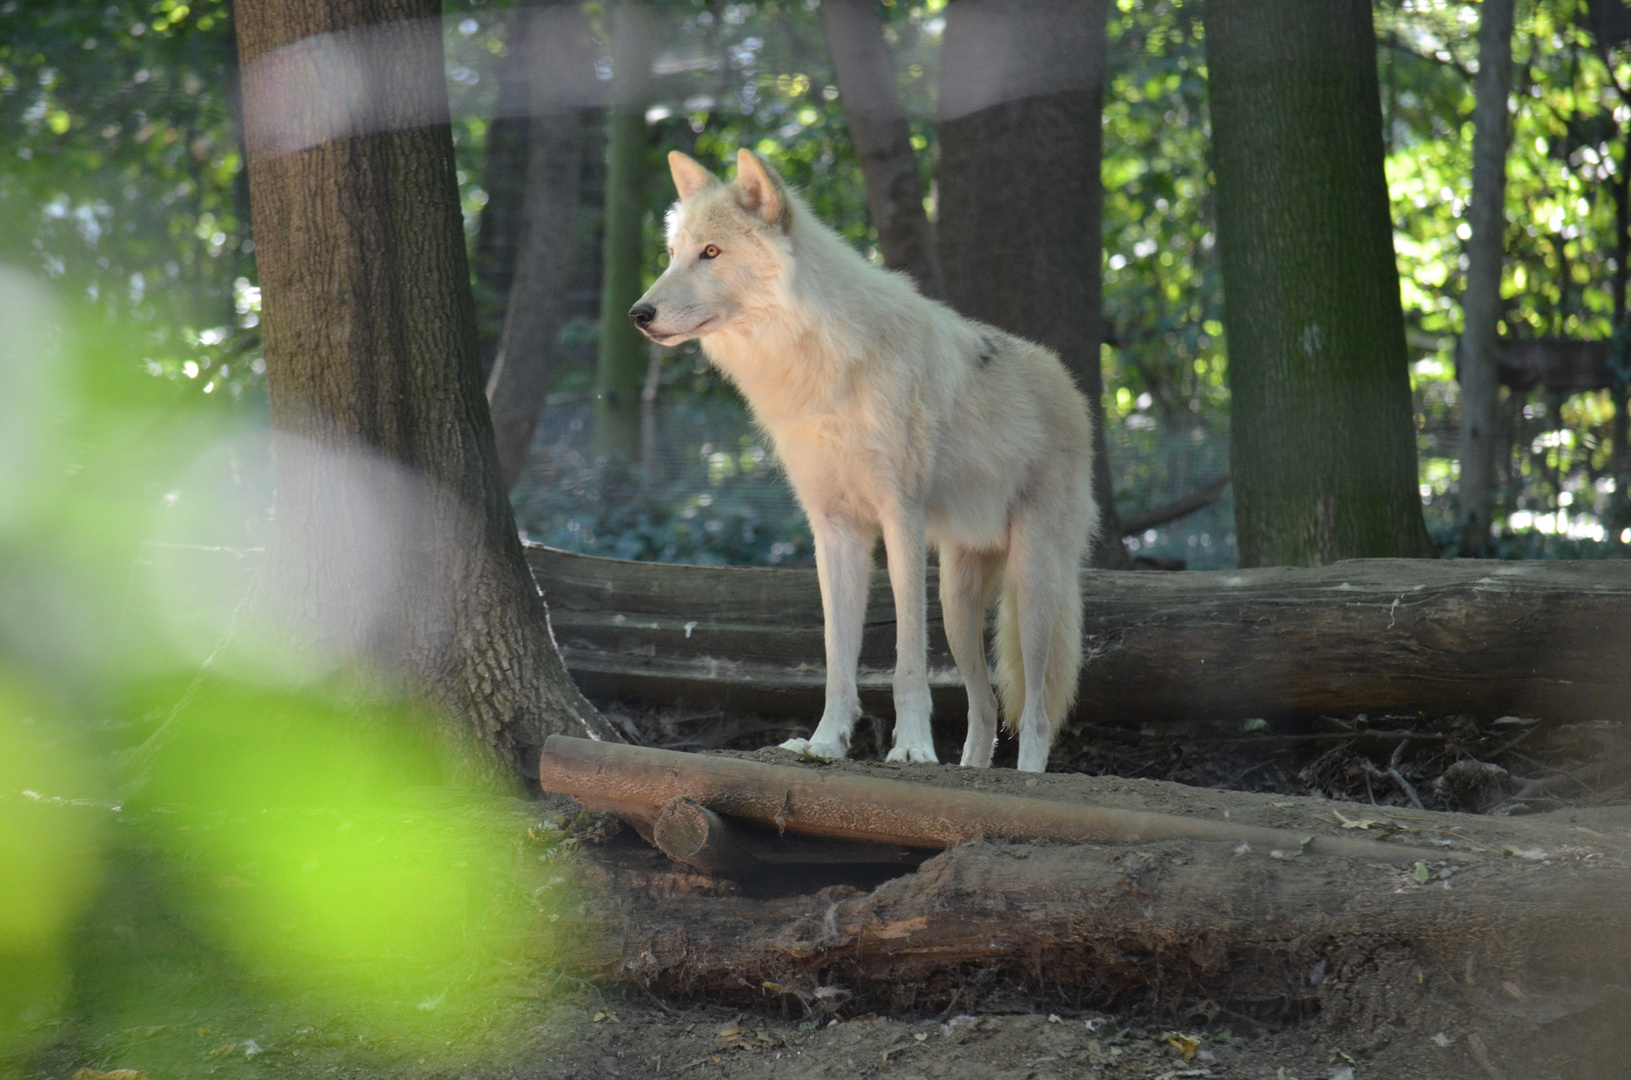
[[588, 1034]]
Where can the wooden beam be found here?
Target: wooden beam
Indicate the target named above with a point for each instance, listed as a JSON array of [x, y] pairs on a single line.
[[690, 833], [652, 786]]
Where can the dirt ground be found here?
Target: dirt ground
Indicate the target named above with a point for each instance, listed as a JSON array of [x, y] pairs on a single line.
[[591, 1034], [636, 1039], [151, 996]]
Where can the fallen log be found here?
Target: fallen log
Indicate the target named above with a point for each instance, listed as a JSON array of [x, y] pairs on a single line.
[[1177, 926], [1537, 639], [1533, 929], [651, 788]]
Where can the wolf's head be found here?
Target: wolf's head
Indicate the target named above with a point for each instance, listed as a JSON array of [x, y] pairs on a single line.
[[728, 250]]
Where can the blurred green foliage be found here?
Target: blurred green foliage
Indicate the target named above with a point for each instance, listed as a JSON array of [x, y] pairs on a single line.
[[296, 789], [166, 784], [48, 854]]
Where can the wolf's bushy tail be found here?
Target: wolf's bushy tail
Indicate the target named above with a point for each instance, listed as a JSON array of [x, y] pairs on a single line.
[[1063, 675]]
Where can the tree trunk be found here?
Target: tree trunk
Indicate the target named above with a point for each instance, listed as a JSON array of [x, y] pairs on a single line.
[[1481, 305], [1322, 440], [623, 355], [883, 142], [557, 46], [504, 174], [393, 543], [1020, 199]]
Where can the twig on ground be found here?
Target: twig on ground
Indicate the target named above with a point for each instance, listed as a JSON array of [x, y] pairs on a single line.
[[1133, 524], [1238, 777], [685, 1014], [1392, 773], [1398, 777]]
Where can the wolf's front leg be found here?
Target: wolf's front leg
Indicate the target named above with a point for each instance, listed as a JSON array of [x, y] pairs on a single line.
[[904, 541], [843, 565]]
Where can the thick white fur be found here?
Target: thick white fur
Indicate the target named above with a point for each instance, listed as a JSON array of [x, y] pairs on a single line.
[[893, 414]]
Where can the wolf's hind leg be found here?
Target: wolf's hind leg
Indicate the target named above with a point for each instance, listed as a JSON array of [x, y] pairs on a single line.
[[1032, 586], [1039, 635], [903, 539], [968, 578], [843, 565]]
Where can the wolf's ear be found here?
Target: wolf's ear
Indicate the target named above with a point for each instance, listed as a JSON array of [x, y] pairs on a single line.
[[759, 190], [689, 177]]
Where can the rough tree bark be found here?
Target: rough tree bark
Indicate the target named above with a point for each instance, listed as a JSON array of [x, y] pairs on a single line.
[[1322, 446], [393, 542], [883, 142], [556, 44], [1481, 304], [624, 353], [1020, 199]]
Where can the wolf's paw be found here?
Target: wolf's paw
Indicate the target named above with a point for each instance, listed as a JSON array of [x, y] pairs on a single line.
[[913, 753], [824, 751]]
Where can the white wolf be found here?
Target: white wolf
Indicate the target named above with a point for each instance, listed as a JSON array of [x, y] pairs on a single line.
[[892, 413]]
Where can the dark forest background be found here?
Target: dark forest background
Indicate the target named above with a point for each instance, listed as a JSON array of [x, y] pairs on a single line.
[[122, 182]]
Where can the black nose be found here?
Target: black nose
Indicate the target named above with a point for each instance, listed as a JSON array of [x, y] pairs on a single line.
[[642, 314]]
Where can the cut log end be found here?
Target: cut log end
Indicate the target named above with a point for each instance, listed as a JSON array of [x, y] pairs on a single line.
[[681, 828], [690, 833]]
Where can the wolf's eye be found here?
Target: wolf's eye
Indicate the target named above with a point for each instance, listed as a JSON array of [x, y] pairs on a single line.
[[711, 251]]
